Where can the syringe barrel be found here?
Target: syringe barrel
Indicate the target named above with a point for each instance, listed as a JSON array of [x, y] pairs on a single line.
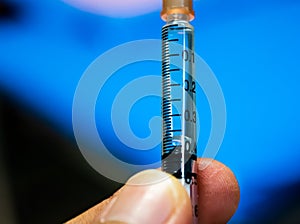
[[179, 148]]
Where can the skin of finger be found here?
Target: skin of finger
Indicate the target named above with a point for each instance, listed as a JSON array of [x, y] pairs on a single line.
[[218, 192], [159, 195], [181, 213]]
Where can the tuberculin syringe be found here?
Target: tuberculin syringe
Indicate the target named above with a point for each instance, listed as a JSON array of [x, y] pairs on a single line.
[[179, 141]]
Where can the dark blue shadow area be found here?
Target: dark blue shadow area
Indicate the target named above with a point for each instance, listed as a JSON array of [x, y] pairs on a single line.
[[285, 207]]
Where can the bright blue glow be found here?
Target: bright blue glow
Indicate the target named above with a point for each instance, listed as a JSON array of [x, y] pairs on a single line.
[[252, 46], [141, 112]]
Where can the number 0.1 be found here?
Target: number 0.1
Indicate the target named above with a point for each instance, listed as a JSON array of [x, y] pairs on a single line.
[[188, 56]]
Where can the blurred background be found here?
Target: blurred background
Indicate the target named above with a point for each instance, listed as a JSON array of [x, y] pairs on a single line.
[[45, 46]]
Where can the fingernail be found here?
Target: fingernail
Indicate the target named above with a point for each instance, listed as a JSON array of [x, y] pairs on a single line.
[[150, 196]]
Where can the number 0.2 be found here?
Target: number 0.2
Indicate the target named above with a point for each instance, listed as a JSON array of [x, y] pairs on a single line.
[[190, 86]]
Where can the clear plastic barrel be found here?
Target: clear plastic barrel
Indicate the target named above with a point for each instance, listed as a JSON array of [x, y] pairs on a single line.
[[179, 147]]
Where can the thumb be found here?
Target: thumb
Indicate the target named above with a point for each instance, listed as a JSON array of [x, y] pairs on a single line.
[[151, 196]]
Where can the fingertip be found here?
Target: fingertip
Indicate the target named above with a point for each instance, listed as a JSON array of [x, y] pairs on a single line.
[[218, 191], [150, 196]]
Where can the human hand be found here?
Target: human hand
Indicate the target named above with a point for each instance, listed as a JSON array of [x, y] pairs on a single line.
[[166, 201]]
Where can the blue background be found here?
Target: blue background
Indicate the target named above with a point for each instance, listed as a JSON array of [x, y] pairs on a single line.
[[252, 47]]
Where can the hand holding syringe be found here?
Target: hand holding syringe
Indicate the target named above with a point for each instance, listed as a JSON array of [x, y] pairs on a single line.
[[167, 201]]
